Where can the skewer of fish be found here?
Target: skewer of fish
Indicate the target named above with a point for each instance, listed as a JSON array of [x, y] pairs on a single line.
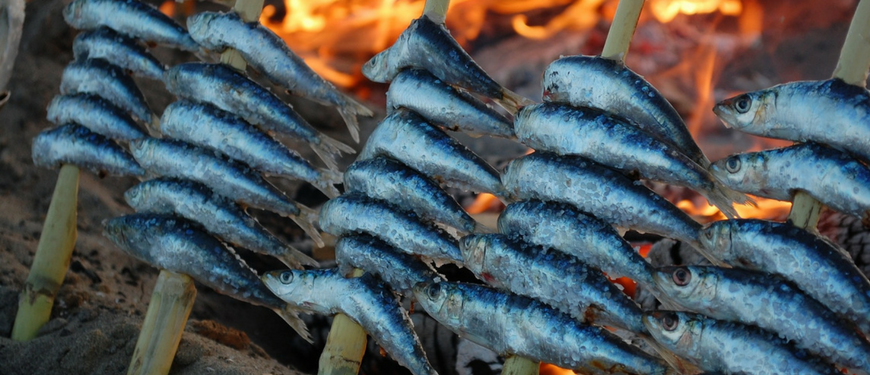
[[398, 269]]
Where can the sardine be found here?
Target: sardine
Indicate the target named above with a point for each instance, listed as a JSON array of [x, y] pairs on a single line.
[[177, 245], [76, 145], [815, 265], [365, 300], [593, 81], [208, 126], [233, 92], [427, 45], [408, 138], [98, 77], [97, 114], [513, 324], [768, 302], [398, 269], [170, 158], [119, 50], [553, 277], [615, 142], [218, 215], [129, 17], [355, 212], [600, 191], [386, 179], [730, 347], [795, 110], [443, 105], [270, 55], [830, 176]]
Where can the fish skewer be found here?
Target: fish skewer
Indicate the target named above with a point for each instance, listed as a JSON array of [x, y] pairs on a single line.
[[98, 77], [269, 54], [119, 50]]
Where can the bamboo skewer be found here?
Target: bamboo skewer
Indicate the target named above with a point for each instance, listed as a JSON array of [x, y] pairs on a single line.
[[516, 365], [345, 345], [436, 10], [51, 261], [852, 67]]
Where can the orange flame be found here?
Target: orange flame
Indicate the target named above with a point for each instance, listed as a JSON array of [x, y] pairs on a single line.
[[667, 10], [764, 209]]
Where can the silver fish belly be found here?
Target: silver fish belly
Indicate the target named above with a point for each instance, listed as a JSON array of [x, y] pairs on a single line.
[[555, 278], [365, 300], [129, 17], [95, 113], [771, 303], [408, 138], [730, 347], [269, 54], [355, 212], [815, 265], [794, 110], [512, 324], [218, 215], [76, 145], [177, 245], [98, 77], [233, 92], [391, 181], [119, 50], [443, 105], [830, 176], [208, 126], [226, 177], [415, 48], [615, 142], [398, 269], [592, 81]]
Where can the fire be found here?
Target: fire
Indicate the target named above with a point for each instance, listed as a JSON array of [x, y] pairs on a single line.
[[666, 10], [764, 209]]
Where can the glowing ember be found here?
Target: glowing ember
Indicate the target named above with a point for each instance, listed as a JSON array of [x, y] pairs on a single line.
[[666, 10], [548, 369], [483, 203]]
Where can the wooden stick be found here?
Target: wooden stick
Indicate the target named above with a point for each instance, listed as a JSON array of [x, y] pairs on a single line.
[[345, 345], [622, 29], [171, 302], [52, 257], [436, 10], [249, 11], [516, 365], [852, 68]]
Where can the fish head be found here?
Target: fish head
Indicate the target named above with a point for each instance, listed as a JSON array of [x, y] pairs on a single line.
[[73, 11], [137, 234], [674, 329], [685, 283], [289, 285], [473, 248], [378, 69], [742, 172], [442, 300], [746, 110], [716, 238], [197, 24]]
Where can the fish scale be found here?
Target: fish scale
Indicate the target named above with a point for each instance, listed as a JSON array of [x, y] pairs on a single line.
[[95, 113], [99, 77], [76, 145], [120, 50], [400, 270]]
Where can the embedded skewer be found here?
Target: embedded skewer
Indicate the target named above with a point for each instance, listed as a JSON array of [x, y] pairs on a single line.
[[345, 345]]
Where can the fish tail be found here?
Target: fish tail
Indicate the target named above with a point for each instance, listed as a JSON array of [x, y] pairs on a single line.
[[512, 101], [349, 110], [291, 315], [677, 363], [306, 219], [326, 181], [707, 254], [295, 259], [329, 148]]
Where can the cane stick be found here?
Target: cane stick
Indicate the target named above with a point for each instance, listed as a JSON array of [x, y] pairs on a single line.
[[622, 29], [436, 10], [345, 345], [852, 68]]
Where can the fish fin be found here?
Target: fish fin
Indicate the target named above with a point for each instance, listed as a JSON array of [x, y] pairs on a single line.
[[707, 254], [512, 101], [306, 219], [679, 364], [293, 258], [329, 178], [329, 148], [291, 315], [480, 228], [723, 197], [349, 111]]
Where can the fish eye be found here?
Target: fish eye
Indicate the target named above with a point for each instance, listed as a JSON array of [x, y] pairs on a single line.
[[434, 291], [670, 322], [286, 277], [682, 276], [709, 234], [742, 103], [732, 164]]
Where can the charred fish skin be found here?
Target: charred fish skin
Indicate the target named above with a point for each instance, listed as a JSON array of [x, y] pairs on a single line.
[[226, 177], [355, 212], [119, 50], [177, 245], [614, 141], [217, 214], [830, 176], [771, 303], [233, 92], [552, 277], [434, 99], [426, 38], [816, 266], [400, 270], [365, 300], [97, 114], [513, 324], [98, 77], [76, 145], [729, 347], [129, 17], [593, 81], [391, 181], [207, 126], [432, 152], [269, 54], [793, 110]]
